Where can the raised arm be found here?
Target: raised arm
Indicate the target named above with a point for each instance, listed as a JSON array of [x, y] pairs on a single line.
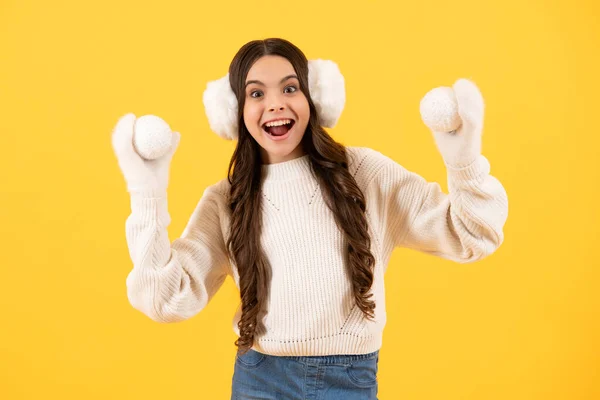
[[169, 282], [467, 223]]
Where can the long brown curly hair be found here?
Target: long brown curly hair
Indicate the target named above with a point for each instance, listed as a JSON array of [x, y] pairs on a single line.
[[329, 164]]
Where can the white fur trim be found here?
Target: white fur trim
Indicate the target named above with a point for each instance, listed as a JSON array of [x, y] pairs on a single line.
[[326, 85], [220, 105]]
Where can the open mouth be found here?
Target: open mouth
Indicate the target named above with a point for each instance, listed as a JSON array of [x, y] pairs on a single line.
[[278, 128]]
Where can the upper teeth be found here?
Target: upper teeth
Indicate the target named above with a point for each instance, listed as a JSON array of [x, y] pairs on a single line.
[[279, 123]]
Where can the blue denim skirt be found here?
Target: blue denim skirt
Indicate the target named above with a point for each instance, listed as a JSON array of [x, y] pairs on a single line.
[[335, 377]]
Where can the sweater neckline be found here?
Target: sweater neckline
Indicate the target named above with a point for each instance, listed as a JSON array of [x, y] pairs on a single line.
[[287, 170]]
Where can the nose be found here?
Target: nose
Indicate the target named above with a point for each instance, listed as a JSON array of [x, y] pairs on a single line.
[[276, 107], [276, 104]]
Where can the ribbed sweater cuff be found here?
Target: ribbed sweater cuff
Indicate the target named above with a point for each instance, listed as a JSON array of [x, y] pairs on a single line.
[[139, 194], [151, 206], [469, 175]]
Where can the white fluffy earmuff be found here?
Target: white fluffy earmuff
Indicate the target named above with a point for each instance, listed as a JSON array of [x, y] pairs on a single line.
[[326, 87]]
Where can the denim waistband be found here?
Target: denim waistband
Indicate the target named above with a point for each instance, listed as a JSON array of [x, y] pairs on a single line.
[[332, 359]]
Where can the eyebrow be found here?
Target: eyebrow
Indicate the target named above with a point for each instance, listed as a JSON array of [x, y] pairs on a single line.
[[280, 82]]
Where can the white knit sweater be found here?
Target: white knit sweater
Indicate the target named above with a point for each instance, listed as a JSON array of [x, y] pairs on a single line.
[[311, 309]]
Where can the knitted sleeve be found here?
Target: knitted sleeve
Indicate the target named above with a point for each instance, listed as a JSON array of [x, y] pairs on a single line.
[[464, 226], [171, 282]]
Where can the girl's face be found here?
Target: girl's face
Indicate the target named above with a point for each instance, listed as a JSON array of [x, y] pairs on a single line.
[[276, 112]]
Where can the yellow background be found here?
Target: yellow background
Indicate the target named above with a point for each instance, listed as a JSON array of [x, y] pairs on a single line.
[[522, 324]]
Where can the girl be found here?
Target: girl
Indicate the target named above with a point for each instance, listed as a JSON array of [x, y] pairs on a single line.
[[304, 225]]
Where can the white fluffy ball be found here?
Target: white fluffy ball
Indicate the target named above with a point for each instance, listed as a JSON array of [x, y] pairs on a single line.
[[221, 107], [151, 137], [439, 110], [327, 90]]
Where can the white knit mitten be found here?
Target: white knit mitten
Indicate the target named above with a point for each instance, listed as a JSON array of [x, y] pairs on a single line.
[[459, 149], [147, 177]]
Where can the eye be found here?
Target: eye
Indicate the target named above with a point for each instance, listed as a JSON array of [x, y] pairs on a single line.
[[255, 93], [292, 87]]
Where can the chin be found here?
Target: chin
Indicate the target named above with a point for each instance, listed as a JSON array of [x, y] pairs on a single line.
[[277, 155]]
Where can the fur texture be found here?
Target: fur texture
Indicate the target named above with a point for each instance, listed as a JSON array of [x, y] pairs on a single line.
[[327, 90], [461, 148], [439, 110], [141, 176], [221, 108]]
